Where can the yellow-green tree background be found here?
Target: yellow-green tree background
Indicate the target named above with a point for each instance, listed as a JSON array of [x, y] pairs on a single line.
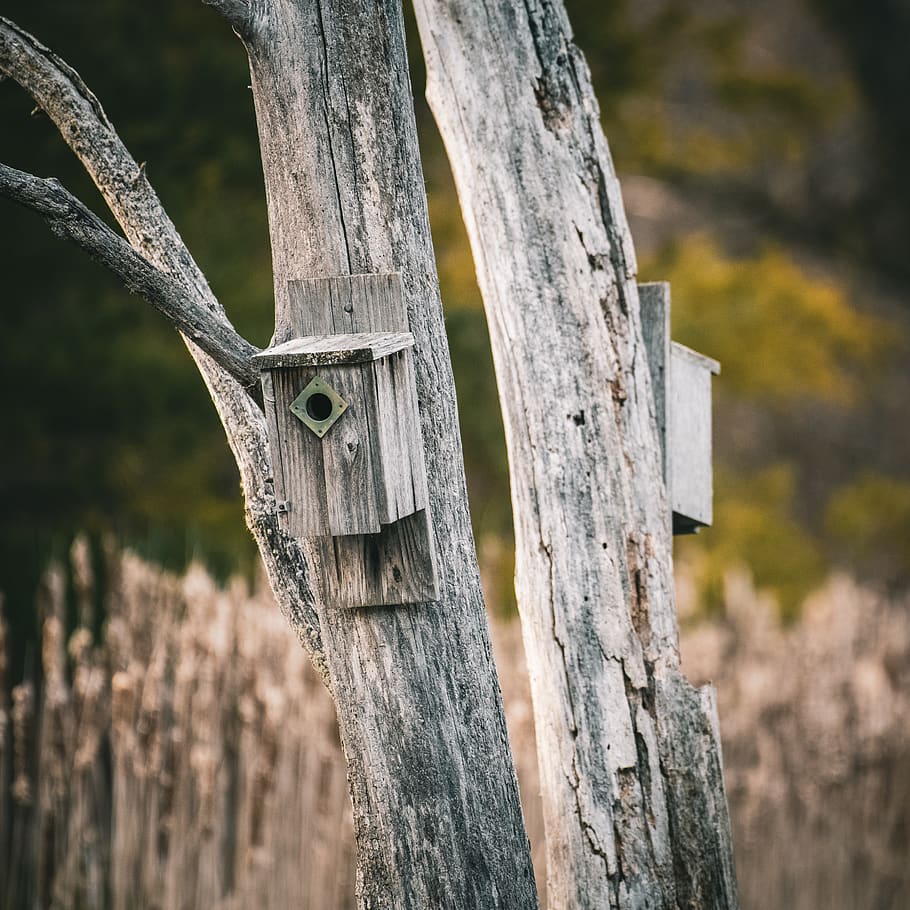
[[760, 147]]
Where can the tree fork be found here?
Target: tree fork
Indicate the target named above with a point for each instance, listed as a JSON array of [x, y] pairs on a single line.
[[78, 115]]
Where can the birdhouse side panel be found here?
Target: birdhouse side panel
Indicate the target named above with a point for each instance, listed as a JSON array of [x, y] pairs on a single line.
[[689, 439], [399, 437], [411, 432], [297, 458]]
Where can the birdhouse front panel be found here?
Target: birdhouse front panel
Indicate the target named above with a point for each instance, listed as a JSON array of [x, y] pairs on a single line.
[[325, 482]]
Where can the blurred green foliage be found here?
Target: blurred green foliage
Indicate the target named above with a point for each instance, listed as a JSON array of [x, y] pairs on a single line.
[[754, 513], [781, 334], [686, 94], [869, 522], [763, 129]]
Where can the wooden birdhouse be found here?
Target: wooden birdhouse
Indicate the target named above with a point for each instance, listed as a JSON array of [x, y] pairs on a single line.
[[346, 432], [681, 380], [346, 443]]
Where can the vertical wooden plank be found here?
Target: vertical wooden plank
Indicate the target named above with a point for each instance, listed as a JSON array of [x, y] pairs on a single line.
[[340, 306], [411, 489], [689, 439], [396, 471], [358, 303], [303, 470], [411, 434], [350, 464], [385, 456], [378, 303], [309, 310], [269, 405], [655, 324]]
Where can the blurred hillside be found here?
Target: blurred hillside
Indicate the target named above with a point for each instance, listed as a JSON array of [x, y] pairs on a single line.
[[758, 145]]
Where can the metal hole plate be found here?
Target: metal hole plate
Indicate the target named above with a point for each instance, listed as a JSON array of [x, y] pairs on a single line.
[[302, 407]]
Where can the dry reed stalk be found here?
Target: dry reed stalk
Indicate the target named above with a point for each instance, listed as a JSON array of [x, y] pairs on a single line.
[[19, 876], [82, 882], [226, 786], [83, 580], [56, 736], [816, 723], [124, 697]]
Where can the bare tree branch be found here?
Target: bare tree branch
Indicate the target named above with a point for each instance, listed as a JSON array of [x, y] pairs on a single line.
[[60, 92], [68, 217], [76, 112]]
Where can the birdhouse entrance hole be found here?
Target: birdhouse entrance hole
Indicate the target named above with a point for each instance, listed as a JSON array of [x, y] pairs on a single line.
[[319, 406]]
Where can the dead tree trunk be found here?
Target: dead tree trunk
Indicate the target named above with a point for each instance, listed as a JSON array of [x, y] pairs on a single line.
[[435, 801], [635, 808], [437, 816]]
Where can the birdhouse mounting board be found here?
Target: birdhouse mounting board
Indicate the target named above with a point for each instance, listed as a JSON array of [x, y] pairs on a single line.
[[345, 435]]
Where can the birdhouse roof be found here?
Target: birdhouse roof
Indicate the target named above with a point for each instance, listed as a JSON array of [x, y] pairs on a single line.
[[322, 350], [707, 363]]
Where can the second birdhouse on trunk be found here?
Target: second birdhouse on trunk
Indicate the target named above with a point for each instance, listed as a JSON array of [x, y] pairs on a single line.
[[340, 398], [681, 382]]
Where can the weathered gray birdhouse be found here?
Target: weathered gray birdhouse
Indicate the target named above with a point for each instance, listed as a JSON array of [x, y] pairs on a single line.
[[681, 380], [347, 432], [346, 444]]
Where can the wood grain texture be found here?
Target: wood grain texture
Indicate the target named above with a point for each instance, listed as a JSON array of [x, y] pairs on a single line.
[[372, 302], [396, 566], [626, 826], [400, 436], [366, 472], [352, 469], [298, 461], [436, 809], [313, 350], [654, 299]]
